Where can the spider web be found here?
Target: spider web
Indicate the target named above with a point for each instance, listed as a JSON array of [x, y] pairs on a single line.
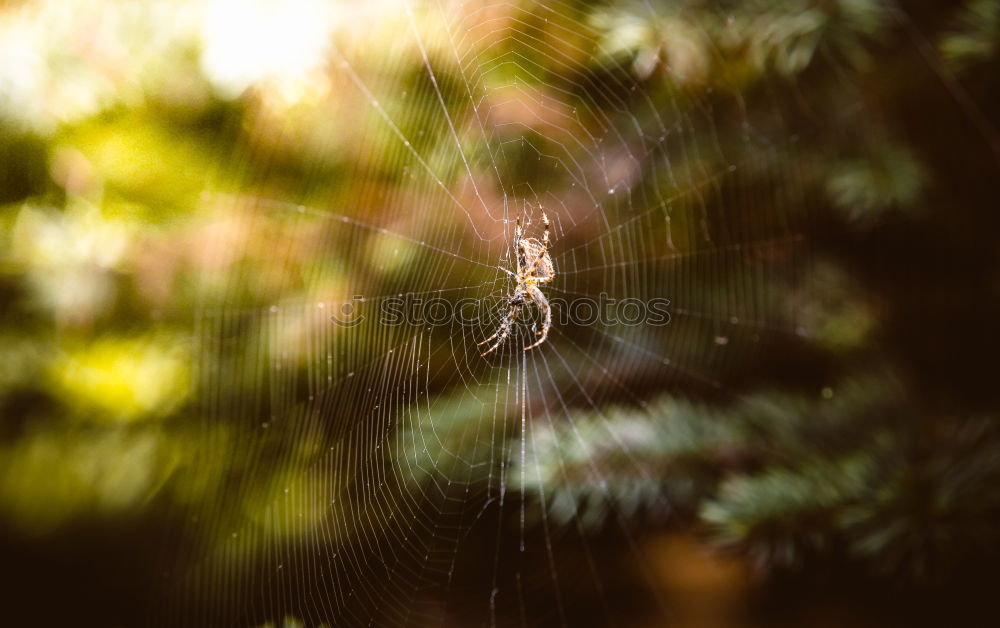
[[425, 492]]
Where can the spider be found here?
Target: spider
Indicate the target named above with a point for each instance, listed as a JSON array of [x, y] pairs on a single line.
[[534, 267]]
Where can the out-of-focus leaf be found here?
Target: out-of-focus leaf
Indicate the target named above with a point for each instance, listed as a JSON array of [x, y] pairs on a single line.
[[976, 38], [889, 177]]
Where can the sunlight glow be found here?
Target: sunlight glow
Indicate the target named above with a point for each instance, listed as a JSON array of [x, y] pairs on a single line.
[[262, 40]]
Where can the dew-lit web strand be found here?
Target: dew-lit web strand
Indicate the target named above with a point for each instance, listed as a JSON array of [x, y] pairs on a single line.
[[468, 483], [618, 104], [444, 107], [517, 86], [525, 422], [680, 255], [585, 94], [455, 354], [440, 443], [601, 484], [374, 228], [624, 448], [526, 88], [524, 435], [389, 376], [430, 421], [345, 64], [580, 178], [479, 121], [391, 361], [639, 130], [429, 410], [448, 118], [487, 265], [444, 449], [522, 140], [322, 305], [691, 188], [597, 203], [663, 135], [318, 568], [221, 321], [523, 392], [575, 508], [496, 62], [503, 492], [651, 13], [666, 361], [597, 108], [605, 234], [523, 70], [731, 320], [663, 204]]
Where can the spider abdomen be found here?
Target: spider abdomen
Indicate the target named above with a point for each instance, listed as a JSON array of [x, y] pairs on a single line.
[[537, 262]]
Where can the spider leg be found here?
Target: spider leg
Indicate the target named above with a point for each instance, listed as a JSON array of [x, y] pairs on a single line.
[[503, 331], [518, 236], [504, 326], [543, 304], [479, 344]]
